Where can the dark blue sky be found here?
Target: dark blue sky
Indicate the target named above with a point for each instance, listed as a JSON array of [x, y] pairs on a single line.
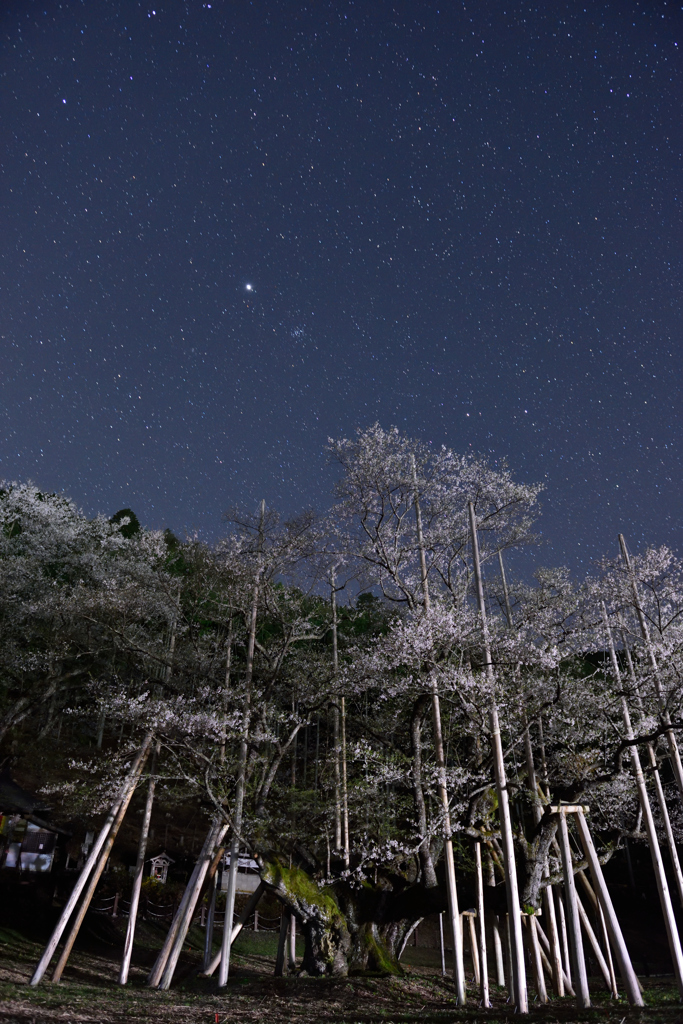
[[462, 219]]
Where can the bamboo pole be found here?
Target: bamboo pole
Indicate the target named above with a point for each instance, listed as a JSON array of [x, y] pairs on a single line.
[[224, 968], [579, 979], [670, 738], [481, 914], [137, 879], [653, 840], [127, 788], [451, 887], [514, 910], [628, 975]]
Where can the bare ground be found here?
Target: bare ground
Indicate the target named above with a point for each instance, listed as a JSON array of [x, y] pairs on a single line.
[[89, 994]]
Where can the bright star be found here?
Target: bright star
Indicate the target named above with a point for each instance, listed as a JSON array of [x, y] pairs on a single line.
[[249, 287]]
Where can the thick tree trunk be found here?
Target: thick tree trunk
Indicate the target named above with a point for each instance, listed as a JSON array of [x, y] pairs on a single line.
[[323, 925], [351, 930]]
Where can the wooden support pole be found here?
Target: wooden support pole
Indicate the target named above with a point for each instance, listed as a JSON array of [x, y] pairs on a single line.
[[442, 947], [555, 952], [656, 777], [608, 953], [442, 788], [210, 922], [544, 956], [211, 916], [341, 805], [494, 922], [137, 879], [628, 975], [566, 958], [514, 909], [535, 957], [547, 898], [648, 820], [508, 956], [281, 958], [128, 787], [545, 946], [594, 944], [474, 951], [579, 979], [345, 790], [224, 967], [249, 909], [341, 796], [195, 889], [154, 976], [292, 942], [670, 738], [498, 950], [481, 914], [606, 947], [97, 872]]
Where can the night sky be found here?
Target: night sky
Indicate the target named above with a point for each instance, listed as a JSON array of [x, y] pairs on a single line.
[[230, 230]]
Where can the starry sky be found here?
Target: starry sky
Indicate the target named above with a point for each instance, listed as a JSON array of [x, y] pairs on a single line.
[[231, 230]]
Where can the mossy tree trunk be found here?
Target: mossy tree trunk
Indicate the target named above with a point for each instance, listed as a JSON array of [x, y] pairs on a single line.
[[326, 936], [346, 929]]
